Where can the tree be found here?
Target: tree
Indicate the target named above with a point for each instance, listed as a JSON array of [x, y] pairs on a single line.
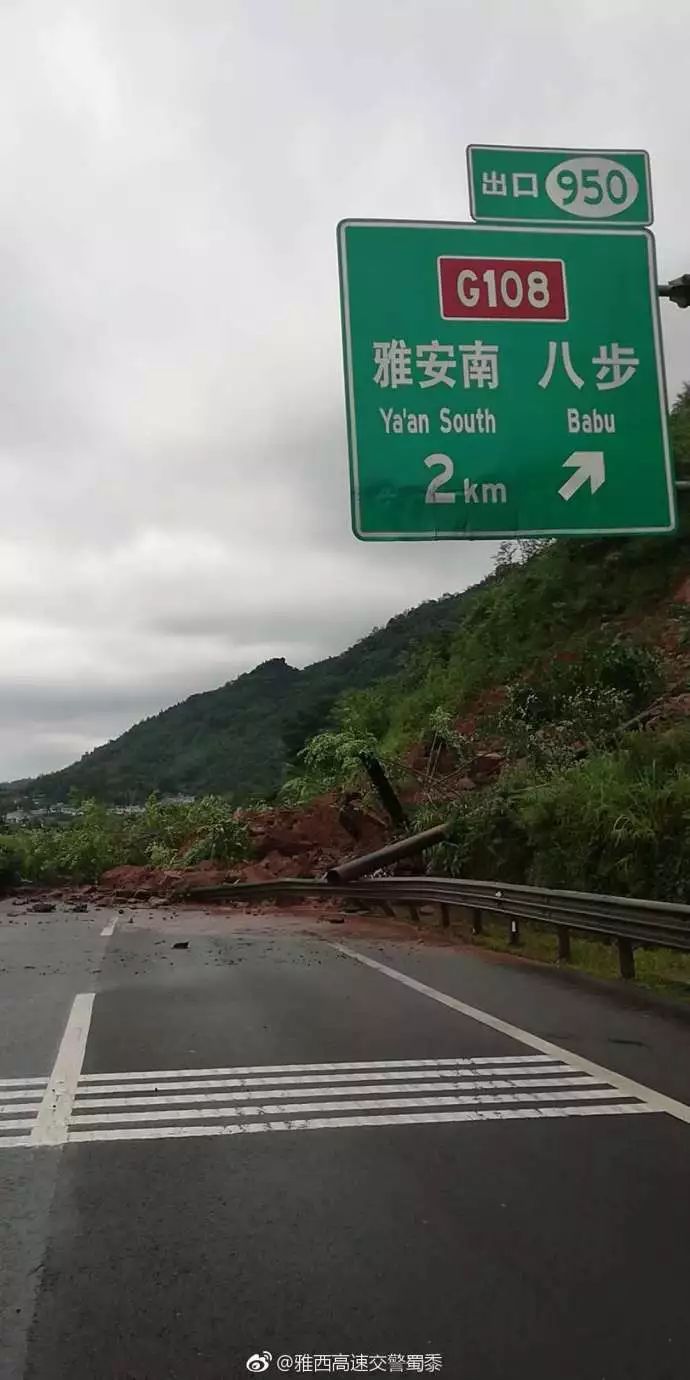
[[679, 427]]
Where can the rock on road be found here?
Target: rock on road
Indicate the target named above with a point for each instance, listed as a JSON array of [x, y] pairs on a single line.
[[332, 1143]]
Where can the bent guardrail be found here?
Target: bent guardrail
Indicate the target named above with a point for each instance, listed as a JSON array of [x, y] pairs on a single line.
[[627, 920]]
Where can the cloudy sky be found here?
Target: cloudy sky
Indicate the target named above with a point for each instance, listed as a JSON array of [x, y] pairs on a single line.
[[173, 477]]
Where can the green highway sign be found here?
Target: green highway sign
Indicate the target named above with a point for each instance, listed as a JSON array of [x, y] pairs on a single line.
[[503, 381], [559, 186]]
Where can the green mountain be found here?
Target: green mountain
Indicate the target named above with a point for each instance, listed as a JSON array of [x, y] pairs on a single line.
[[445, 654], [239, 738]]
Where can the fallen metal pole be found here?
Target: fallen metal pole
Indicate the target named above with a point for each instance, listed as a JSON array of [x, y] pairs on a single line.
[[383, 788], [369, 862]]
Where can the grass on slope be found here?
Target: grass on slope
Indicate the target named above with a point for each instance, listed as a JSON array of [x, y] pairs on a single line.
[[570, 593], [663, 971]]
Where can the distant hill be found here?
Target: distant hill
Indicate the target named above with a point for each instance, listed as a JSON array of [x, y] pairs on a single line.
[[239, 738]]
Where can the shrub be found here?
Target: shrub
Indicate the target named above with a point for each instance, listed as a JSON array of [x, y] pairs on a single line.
[[489, 837], [576, 701], [617, 822], [98, 839], [625, 666], [221, 835], [603, 826], [10, 861]]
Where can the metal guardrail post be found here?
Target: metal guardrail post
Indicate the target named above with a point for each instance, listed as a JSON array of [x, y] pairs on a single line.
[[564, 946], [514, 933], [626, 958]]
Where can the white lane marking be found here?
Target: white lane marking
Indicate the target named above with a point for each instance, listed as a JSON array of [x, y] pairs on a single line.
[[318, 1068], [17, 1108], [50, 1126], [342, 1122], [22, 1083], [21, 1095], [654, 1101], [360, 1105], [109, 928], [293, 1078], [15, 1126], [87, 1104], [14, 1142]]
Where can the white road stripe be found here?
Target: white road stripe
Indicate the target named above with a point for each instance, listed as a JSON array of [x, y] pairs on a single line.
[[653, 1100], [14, 1142], [50, 1126], [22, 1095], [87, 1104], [343, 1122], [361, 1105], [109, 928], [22, 1083], [296, 1080], [14, 1126], [17, 1108], [317, 1068]]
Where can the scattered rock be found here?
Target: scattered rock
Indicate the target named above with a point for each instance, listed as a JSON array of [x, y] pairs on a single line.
[[336, 920], [80, 907], [181, 944], [42, 907]]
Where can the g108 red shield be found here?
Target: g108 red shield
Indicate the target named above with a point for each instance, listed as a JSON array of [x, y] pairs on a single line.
[[481, 289]]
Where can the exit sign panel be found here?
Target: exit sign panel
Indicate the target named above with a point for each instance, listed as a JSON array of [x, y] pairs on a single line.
[[503, 381], [557, 186]]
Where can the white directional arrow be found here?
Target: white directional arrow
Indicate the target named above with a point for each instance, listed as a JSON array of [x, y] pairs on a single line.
[[587, 465]]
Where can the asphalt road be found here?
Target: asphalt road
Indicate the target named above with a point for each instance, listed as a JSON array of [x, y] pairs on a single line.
[[261, 1143]]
